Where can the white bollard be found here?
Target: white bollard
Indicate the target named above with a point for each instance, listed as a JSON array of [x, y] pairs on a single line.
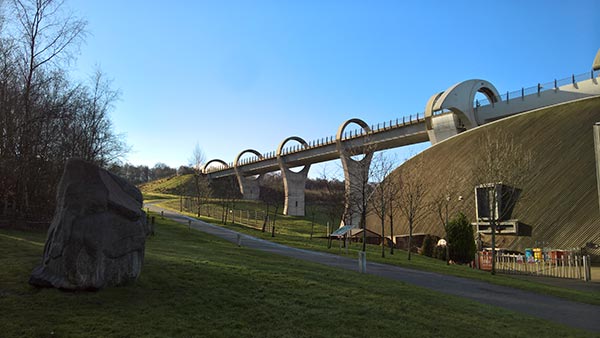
[[586, 268], [239, 240], [362, 262]]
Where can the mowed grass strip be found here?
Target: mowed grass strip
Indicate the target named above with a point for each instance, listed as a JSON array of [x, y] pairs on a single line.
[[295, 232], [197, 285]]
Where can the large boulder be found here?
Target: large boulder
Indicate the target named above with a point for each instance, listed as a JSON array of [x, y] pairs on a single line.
[[98, 233]]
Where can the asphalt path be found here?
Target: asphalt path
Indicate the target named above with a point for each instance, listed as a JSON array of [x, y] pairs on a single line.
[[579, 315]]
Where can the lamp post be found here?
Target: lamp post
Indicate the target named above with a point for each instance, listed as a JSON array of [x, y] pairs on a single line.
[[447, 239]]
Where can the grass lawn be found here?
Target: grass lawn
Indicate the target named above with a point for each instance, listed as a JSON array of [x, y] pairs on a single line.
[[194, 284], [295, 231], [169, 185]]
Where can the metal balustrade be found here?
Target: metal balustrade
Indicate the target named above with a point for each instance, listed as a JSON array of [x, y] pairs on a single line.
[[541, 87], [326, 141]]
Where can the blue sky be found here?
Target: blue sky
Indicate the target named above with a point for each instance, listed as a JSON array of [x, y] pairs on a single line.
[[231, 75]]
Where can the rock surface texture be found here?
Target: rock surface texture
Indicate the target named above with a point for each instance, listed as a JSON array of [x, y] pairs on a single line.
[[98, 234]]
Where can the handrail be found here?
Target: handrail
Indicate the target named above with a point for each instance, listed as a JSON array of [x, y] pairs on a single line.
[[323, 142], [541, 87]]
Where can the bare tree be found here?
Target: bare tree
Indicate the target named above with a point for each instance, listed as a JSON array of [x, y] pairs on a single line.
[[198, 158], [332, 199], [385, 192], [92, 137], [444, 198], [358, 185], [412, 195], [502, 167], [45, 117], [271, 193], [226, 191], [201, 183], [45, 36]]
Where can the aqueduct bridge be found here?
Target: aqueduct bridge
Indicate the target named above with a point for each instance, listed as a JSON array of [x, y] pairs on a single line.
[[447, 113]]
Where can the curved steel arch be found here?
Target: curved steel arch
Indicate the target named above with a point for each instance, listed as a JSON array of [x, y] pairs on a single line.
[[237, 158], [213, 161], [361, 123]]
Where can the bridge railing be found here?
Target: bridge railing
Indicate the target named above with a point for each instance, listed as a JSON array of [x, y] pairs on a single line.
[[322, 142], [540, 87]]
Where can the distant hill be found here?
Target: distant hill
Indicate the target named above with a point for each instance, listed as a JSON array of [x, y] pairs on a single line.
[[562, 207], [182, 184]]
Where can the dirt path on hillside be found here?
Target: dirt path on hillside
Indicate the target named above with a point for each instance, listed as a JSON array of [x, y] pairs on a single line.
[[579, 315]]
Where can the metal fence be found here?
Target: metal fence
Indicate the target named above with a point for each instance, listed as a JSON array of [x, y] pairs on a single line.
[[249, 218], [569, 265], [540, 87], [325, 141]]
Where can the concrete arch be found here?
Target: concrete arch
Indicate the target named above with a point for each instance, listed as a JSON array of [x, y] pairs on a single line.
[[282, 144], [596, 63], [293, 182], [237, 158], [291, 138], [249, 187], [459, 100], [354, 173], [213, 161], [361, 123]]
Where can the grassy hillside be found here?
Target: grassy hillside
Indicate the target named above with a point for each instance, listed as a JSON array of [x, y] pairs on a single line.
[[561, 204], [295, 232], [195, 285], [183, 184]]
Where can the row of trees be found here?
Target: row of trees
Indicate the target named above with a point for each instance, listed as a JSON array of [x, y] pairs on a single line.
[[142, 173], [389, 192], [46, 117], [408, 191]]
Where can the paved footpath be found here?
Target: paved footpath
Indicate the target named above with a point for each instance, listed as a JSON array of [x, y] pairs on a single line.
[[579, 315]]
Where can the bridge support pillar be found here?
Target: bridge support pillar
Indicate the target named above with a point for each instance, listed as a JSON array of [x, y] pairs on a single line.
[[249, 186], [356, 176], [294, 183], [356, 180]]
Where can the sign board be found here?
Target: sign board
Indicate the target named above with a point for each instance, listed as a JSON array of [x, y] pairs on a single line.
[[341, 231], [485, 260], [488, 201], [510, 227]]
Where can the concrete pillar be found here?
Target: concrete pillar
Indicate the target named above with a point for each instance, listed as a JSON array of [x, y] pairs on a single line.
[[443, 127], [249, 185], [294, 183], [597, 151], [356, 175]]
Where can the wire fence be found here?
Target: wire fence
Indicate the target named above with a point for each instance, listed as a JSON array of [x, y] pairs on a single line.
[[249, 218]]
